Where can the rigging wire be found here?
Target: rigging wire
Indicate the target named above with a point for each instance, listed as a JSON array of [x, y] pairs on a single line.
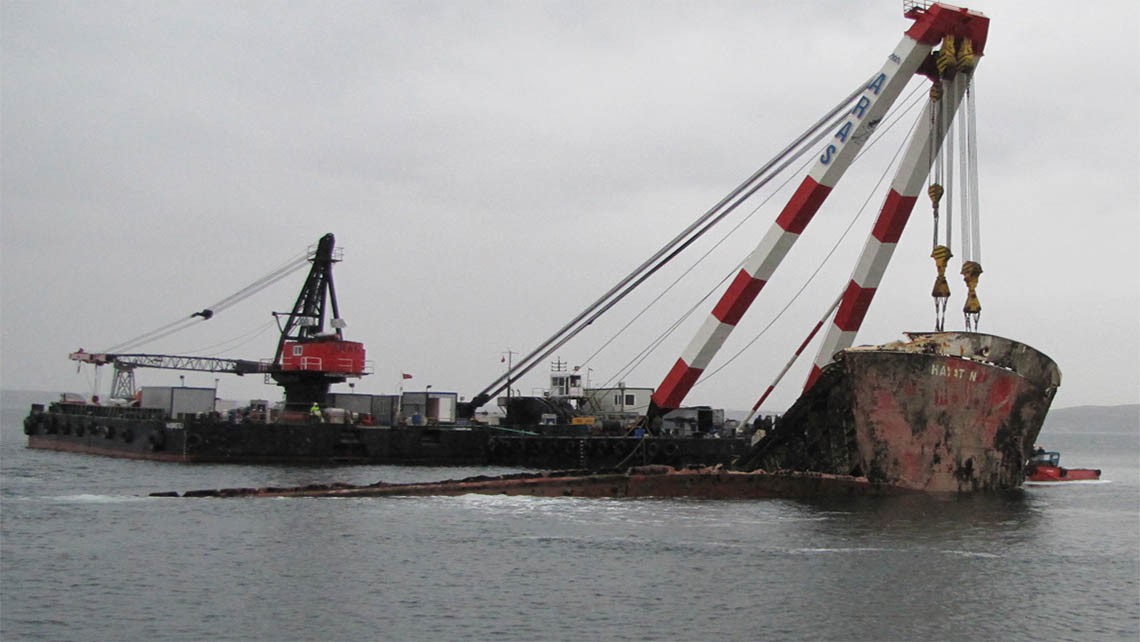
[[963, 182], [725, 237], [282, 271], [684, 246], [971, 225], [638, 359], [234, 342], [661, 257], [972, 178], [834, 248], [948, 168], [627, 369]]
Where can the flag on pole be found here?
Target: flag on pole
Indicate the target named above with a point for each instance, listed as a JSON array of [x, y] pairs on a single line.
[[406, 375]]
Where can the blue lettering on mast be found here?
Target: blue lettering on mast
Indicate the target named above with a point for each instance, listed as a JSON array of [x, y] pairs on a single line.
[[827, 153], [858, 111], [844, 131], [877, 84]]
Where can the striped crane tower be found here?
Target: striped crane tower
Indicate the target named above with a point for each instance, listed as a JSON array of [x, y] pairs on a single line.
[[932, 25]]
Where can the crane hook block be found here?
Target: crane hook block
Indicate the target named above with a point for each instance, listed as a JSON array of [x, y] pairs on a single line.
[[935, 192], [966, 60], [205, 314], [941, 256], [971, 271], [947, 62]]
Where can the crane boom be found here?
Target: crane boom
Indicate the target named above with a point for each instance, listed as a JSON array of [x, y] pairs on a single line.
[[931, 24], [171, 362], [888, 228]]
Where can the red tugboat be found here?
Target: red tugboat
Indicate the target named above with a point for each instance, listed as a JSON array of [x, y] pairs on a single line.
[[1045, 466]]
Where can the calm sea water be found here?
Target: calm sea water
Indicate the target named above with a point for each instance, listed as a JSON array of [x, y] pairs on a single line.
[[87, 556]]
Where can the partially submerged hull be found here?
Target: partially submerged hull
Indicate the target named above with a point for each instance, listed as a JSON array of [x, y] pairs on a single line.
[[939, 412], [949, 411]]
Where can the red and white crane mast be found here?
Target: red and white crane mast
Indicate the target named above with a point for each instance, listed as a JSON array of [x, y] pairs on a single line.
[[931, 25]]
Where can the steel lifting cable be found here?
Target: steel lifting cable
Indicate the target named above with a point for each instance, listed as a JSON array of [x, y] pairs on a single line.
[[637, 360], [890, 120], [181, 324], [963, 183], [260, 284], [972, 142], [971, 226], [940, 253], [709, 375], [795, 357], [626, 370], [778, 171], [235, 342], [660, 258]]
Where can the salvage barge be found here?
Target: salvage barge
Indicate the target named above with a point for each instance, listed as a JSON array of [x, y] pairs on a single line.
[[316, 426]]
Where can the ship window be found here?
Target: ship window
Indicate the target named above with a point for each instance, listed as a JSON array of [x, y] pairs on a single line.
[[629, 400], [617, 400], [298, 350]]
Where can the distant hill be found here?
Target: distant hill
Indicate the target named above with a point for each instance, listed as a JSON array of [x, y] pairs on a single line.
[[1117, 419]]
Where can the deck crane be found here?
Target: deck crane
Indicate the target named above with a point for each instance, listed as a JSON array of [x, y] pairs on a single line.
[[308, 359]]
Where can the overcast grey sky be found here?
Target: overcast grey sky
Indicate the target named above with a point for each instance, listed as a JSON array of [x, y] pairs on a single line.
[[492, 167]]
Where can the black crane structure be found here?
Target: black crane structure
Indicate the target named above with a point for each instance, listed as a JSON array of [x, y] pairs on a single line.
[[306, 321]]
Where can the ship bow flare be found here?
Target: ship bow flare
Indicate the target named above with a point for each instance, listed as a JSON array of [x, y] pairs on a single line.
[[948, 411]]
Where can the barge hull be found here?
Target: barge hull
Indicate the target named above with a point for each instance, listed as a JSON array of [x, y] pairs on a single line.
[[124, 434]]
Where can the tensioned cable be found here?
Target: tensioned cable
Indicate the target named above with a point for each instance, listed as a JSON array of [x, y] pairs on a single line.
[[973, 176], [260, 284], [826, 258], [971, 220], [234, 342], [725, 237], [532, 359], [178, 325], [629, 288], [640, 357], [623, 372]]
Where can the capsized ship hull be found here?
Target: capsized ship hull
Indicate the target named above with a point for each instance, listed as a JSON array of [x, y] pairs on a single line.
[[949, 411], [938, 412]]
